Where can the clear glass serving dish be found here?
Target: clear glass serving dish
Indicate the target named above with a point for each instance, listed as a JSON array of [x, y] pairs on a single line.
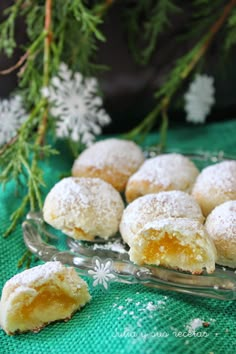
[[107, 262]]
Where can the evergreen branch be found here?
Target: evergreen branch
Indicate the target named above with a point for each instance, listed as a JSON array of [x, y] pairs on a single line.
[[150, 20], [22, 159], [179, 73], [83, 29], [25, 259], [139, 132], [88, 20], [230, 38], [164, 124], [46, 61], [14, 67], [211, 34], [18, 214], [7, 29], [156, 24], [31, 50]]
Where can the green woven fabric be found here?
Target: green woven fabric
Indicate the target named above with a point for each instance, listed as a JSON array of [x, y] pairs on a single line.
[[127, 318]]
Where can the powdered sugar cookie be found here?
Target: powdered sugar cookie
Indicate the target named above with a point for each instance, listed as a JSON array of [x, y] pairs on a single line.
[[40, 295], [113, 160], [215, 185], [221, 226], [84, 208], [162, 173], [176, 204]]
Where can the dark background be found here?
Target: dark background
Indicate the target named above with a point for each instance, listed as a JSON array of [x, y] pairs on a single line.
[[128, 87]]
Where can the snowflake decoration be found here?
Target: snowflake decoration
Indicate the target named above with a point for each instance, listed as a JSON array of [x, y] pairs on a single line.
[[12, 115], [76, 105], [199, 98], [102, 272]]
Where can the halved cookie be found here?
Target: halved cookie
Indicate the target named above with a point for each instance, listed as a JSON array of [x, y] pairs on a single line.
[[150, 207], [40, 295], [174, 243]]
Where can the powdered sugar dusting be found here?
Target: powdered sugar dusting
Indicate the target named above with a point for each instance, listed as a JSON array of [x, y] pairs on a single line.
[[176, 204], [221, 226], [43, 272], [170, 171], [87, 203], [221, 223], [120, 154], [67, 192], [222, 176]]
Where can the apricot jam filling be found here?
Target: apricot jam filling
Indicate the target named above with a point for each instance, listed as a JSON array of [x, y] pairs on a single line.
[[47, 299], [78, 231], [168, 247]]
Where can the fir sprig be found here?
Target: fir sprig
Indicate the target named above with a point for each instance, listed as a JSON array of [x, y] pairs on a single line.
[[230, 38], [158, 21], [7, 28], [145, 22], [20, 156], [183, 68]]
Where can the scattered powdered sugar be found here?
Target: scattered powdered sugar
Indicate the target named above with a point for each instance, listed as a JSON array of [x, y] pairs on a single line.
[[168, 170], [115, 246], [194, 324], [139, 310], [197, 323], [117, 153], [151, 306]]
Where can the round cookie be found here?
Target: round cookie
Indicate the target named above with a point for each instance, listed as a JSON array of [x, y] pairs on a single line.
[[113, 160], [40, 295], [176, 204], [215, 185], [162, 173], [84, 208], [221, 226], [174, 243]]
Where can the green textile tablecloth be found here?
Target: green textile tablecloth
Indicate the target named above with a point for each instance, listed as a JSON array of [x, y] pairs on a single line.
[[128, 318]]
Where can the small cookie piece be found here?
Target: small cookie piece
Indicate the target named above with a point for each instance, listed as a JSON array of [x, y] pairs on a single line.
[[84, 208], [40, 295], [174, 243], [221, 227], [150, 207], [162, 173], [215, 185], [113, 160]]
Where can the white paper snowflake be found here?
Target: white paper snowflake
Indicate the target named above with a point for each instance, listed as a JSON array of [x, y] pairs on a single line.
[[12, 115], [199, 98], [102, 272], [76, 105]]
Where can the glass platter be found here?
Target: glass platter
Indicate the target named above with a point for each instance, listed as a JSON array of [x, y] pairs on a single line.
[[109, 261]]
